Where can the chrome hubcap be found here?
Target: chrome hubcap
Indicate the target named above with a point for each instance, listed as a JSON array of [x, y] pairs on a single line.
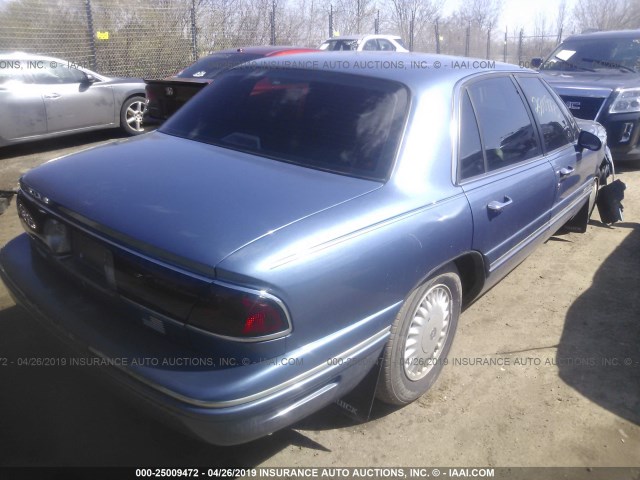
[[428, 332], [134, 116]]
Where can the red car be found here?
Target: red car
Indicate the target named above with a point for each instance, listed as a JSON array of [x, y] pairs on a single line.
[[167, 95]]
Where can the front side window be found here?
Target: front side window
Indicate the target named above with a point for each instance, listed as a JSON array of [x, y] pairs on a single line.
[[556, 130], [508, 136], [324, 120], [58, 74], [386, 45]]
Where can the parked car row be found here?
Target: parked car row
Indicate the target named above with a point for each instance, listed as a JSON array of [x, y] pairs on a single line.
[[291, 227], [598, 77], [166, 96], [45, 97]]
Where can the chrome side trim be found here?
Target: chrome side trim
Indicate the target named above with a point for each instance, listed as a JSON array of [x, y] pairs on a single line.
[[304, 400], [585, 194], [547, 226]]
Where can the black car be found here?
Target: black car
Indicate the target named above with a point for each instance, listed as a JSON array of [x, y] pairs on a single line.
[[598, 77], [167, 95]]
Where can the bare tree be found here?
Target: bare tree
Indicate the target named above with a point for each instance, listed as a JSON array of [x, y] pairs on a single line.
[[560, 20], [602, 15], [413, 19], [481, 13]]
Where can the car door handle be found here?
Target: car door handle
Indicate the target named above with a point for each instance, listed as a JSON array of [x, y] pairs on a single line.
[[52, 95], [566, 171], [496, 206]]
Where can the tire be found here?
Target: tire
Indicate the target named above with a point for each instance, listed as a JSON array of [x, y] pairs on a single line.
[[131, 115], [407, 373]]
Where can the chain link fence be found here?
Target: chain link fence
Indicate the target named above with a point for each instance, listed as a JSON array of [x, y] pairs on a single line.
[[157, 38]]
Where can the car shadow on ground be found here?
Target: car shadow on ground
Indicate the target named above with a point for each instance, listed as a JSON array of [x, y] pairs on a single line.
[[599, 350], [70, 416]]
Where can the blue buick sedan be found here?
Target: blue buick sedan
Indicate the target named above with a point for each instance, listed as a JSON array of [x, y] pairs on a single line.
[[297, 223]]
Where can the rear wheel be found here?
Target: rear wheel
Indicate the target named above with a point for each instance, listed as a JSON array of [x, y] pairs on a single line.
[[421, 337], [131, 115]]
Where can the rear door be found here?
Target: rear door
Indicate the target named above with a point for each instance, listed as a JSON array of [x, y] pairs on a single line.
[[508, 182], [559, 135]]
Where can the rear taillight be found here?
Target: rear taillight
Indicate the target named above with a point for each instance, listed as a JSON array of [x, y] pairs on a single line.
[[240, 313]]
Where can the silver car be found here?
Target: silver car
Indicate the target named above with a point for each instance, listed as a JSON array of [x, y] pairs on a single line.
[[43, 97]]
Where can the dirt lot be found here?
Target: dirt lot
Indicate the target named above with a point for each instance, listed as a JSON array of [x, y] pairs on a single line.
[[564, 328]]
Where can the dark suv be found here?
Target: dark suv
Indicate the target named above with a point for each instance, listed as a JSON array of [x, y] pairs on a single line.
[[598, 77]]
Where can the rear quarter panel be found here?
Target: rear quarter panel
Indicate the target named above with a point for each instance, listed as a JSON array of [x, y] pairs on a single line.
[[347, 263]]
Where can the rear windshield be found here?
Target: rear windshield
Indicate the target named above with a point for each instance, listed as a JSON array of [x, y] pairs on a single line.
[[591, 55], [213, 65], [330, 121]]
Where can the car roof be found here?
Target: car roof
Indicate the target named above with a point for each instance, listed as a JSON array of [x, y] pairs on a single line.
[[266, 50], [34, 56], [361, 36], [410, 69], [605, 34]]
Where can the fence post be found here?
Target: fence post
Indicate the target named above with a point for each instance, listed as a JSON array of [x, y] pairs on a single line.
[[466, 41], [437, 37], [92, 35], [273, 22], [504, 50], [520, 46], [194, 31], [376, 23], [331, 20], [411, 22], [489, 43]]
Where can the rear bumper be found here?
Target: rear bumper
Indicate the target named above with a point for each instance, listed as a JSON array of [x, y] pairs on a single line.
[[93, 329], [149, 120]]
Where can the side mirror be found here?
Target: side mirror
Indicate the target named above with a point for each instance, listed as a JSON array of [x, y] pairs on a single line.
[[89, 79], [589, 141], [536, 62]]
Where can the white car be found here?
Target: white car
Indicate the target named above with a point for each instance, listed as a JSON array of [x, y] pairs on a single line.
[[385, 43]]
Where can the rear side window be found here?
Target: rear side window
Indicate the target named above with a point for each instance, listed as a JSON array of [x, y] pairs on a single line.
[[334, 45], [470, 149], [11, 73], [556, 130], [508, 136], [324, 120], [371, 45]]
